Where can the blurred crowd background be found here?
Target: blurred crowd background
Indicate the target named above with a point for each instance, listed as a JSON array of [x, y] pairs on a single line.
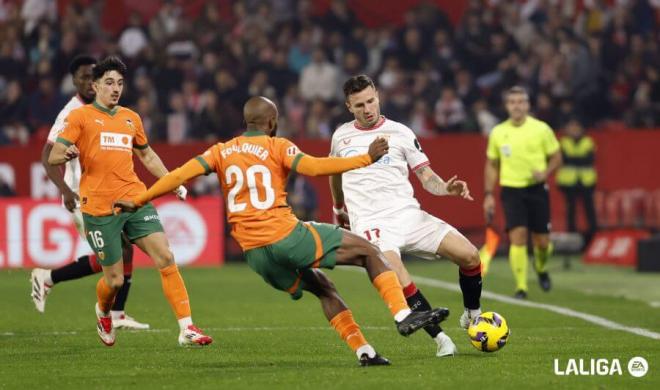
[[190, 73]]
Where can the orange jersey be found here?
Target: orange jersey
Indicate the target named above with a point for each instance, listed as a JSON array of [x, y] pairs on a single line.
[[106, 139], [253, 170]]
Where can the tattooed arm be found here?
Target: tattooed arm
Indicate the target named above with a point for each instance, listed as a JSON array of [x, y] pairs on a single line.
[[435, 185]]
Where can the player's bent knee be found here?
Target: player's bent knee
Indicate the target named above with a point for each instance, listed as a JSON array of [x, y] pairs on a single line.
[[164, 258], [472, 260]]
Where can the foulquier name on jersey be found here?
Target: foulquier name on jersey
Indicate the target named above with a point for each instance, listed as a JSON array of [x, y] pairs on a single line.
[[257, 150]]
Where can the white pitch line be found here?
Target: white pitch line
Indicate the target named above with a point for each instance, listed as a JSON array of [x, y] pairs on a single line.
[[600, 321]]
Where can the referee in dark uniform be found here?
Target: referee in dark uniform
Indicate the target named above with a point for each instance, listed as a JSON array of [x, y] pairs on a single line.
[[523, 151]]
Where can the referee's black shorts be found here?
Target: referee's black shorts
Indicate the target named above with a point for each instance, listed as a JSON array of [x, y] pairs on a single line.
[[527, 206]]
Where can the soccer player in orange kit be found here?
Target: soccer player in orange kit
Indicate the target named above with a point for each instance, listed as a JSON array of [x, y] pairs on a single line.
[[253, 170], [104, 136]]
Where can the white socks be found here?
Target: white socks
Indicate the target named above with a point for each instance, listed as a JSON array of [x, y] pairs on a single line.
[[473, 313], [368, 349], [402, 314], [185, 322], [48, 280]]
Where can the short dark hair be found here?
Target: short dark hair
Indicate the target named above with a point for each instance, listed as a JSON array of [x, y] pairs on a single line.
[[516, 89], [80, 60], [356, 84], [109, 64]]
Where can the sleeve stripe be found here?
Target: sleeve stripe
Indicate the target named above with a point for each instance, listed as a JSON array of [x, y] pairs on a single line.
[[64, 141], [207, 168], [421, 165], [141, 147], [296, 160]]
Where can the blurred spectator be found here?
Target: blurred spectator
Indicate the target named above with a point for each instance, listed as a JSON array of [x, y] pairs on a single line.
[[178, 121], [485, 120], [421, 120], [319, 78], [596, 59], [44, 103], [134, 38], [318, 123], [302, 197], [449, 111]]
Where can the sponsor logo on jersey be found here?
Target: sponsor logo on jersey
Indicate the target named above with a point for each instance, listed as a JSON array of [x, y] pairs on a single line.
[[116, 141], [153, 217], [99, 121], [291, 151], [418, 146], [346, 141]]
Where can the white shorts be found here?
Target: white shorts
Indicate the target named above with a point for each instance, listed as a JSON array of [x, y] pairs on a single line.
[[83, 247], [77, 217], [415, 232]]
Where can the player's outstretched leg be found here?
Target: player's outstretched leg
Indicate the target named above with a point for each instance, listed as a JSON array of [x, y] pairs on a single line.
[[120, 320], [418, 302], [155, 245], [43, 280], [340, 317], [355, 250], [460, 251]]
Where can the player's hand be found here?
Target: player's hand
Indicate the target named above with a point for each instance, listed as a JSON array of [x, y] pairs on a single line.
[[458, 188], [540, 176], [71, 152], [378, 149], [124, 206], [341, 217], [181, 192], [70, 200], [489, 207]]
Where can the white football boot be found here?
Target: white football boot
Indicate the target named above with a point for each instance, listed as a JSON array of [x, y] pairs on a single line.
[[104, 327], [40, 289], [124, 321], [446, 347], [192, 336]]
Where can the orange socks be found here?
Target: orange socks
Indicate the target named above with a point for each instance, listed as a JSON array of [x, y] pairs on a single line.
[[105, 295], [348, 330], [389, 288], [175, 291]]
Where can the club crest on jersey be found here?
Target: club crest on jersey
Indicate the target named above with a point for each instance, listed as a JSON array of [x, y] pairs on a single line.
[[116, 141], [130, 124]]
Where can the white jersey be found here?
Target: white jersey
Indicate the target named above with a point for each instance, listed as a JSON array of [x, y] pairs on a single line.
[[382, 190], [72, 168]]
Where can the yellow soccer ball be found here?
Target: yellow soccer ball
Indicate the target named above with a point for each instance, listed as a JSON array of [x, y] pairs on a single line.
[[488, 332]]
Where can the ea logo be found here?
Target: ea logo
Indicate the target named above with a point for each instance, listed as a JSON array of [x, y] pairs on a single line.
[[185, 229], [638, 367]]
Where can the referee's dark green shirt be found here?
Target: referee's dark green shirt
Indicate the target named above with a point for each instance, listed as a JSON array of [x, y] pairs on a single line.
[[521, 150]]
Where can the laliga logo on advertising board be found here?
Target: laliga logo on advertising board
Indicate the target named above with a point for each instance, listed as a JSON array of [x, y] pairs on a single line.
[[637, 367], [185, 229]]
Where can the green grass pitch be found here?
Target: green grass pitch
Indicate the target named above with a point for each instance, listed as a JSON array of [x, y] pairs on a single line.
[[265, 340]]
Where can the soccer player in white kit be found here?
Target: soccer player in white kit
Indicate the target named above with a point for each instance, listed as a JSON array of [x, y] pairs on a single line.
[[379, 203], [85, 264]]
